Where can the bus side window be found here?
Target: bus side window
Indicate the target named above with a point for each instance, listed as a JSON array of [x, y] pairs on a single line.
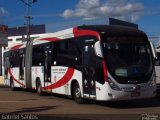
[[21, 66], [66, 53], [74, 50], [55, 50], [6, 65], [11, 59], [38, 55], [61, 53], [18, 57], [14, 59]]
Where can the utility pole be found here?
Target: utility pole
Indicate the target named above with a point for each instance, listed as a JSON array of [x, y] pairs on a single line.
[[28, 22], [28, 56], [28, 17]]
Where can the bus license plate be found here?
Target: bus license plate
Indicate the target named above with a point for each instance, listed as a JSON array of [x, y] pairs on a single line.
[[135, 94]]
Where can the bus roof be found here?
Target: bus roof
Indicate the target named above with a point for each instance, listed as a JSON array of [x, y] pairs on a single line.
[[113, 30], [109, 30]]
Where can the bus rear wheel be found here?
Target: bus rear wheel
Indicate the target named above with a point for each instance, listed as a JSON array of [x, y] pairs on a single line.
[[12, 85], [77, 93], [39, 89]]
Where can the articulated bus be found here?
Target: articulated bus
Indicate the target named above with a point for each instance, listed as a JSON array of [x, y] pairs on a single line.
[[100, 62]]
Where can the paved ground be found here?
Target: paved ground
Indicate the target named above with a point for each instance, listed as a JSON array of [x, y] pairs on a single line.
[[25, 102]]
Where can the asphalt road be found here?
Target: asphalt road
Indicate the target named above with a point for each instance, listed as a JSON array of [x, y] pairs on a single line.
[[26, 102]]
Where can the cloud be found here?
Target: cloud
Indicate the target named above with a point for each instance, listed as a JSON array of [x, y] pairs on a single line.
[[88, 4], [92, 9], [3, 11]]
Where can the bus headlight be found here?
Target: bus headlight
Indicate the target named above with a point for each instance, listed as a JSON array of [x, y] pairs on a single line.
[[113, 85]]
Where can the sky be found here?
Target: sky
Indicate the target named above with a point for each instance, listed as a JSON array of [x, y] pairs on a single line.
[[145, 13]]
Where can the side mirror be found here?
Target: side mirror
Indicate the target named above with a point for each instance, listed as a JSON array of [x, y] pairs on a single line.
[[98, 49], [153, 51]]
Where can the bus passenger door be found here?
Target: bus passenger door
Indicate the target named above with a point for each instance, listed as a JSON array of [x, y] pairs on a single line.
[[47, 67], [89, 71], [21, 68]]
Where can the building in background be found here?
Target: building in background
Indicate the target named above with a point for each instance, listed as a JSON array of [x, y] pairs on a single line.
[[3, 43], [34, 29], [17, 35]]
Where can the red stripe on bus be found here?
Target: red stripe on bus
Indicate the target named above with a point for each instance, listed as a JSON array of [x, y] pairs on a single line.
[[77, 33], [50, 39], [105, 71], [13, 78], [16, 47], [67, 77]]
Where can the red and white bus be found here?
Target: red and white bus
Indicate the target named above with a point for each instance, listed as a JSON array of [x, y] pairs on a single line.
[[100, 62]]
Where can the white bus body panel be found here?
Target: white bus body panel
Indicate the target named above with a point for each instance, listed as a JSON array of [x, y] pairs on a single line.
[[57, 73], [146, 91], [7, 81], [15, 72], [37, 72]]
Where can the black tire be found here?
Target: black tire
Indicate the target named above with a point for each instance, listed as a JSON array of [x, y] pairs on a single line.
[[12, 85], [39, 89], [77, 94]]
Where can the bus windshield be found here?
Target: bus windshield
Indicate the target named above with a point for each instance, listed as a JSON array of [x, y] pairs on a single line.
[[128, 59]]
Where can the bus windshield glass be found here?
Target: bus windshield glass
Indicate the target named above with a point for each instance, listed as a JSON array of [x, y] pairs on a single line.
[[128, 58]]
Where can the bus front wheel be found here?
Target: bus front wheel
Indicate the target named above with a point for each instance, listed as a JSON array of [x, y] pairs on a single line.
[[77, 93]]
